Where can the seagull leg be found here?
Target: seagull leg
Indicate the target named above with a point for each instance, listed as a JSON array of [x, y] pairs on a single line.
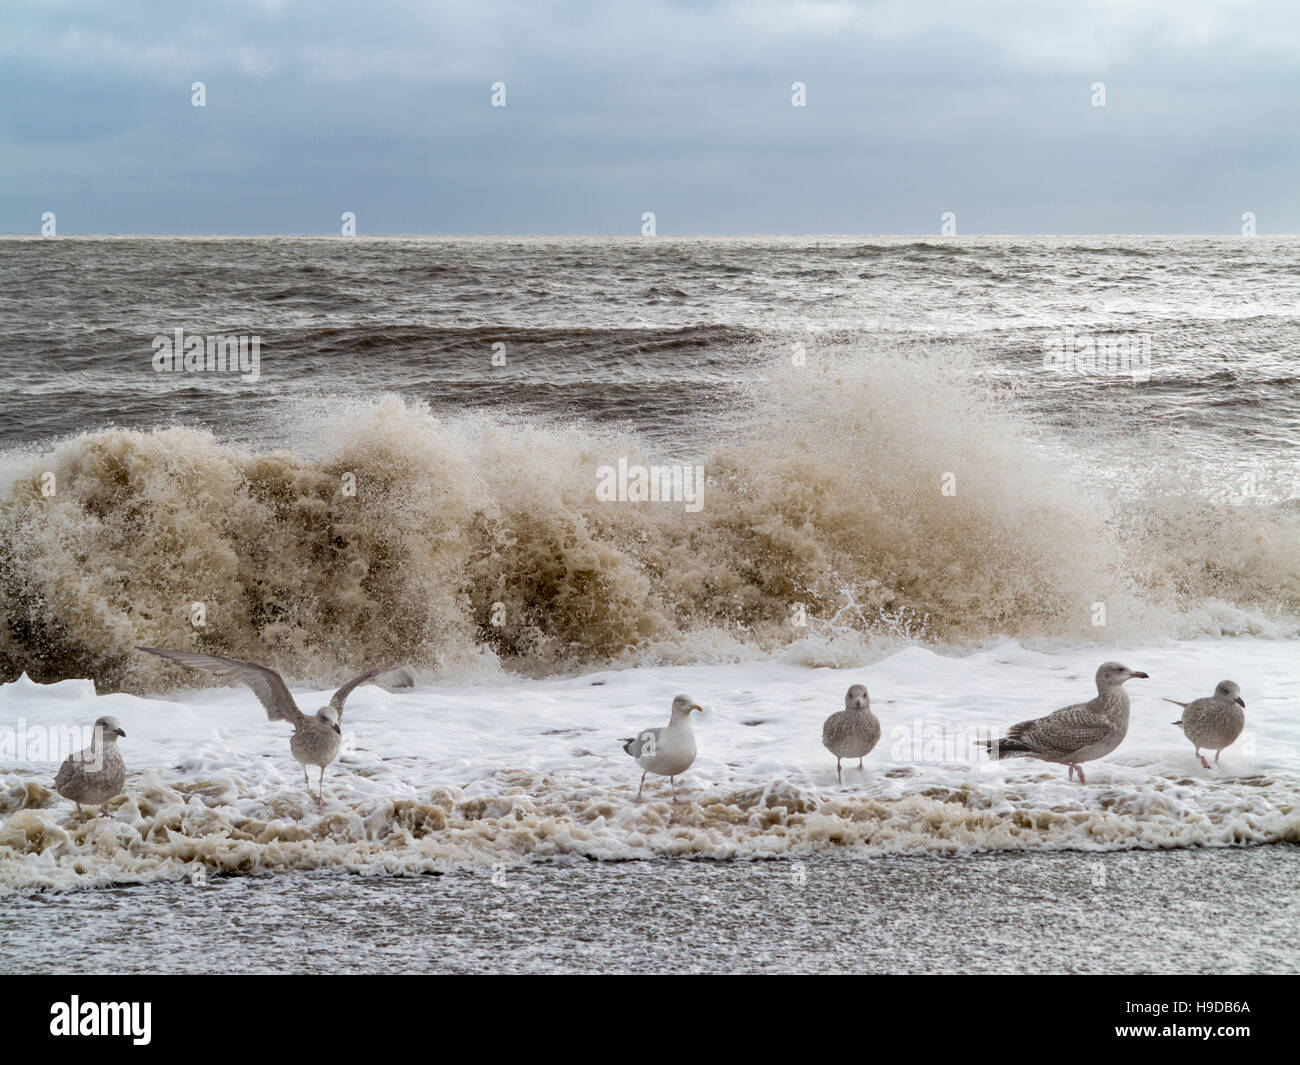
[[305, 778], [320, 787], [1071, 777], [859, 763], [1079, 769], [673, 782], [1216, 755], [78, 809], [1203, 759], [839, 776], [642, 788]]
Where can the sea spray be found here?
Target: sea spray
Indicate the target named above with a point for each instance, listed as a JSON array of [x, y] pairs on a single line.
[[464, 545]]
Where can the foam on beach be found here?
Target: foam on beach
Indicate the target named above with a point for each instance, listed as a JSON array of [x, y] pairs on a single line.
[[454, 776]]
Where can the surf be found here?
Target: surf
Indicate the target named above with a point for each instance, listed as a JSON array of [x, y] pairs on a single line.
[[867, 500]]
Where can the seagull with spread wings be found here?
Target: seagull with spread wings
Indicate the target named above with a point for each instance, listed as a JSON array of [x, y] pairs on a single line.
[[315, 740]]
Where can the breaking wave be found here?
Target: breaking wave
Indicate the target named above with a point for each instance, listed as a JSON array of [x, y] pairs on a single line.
[[863, 501]]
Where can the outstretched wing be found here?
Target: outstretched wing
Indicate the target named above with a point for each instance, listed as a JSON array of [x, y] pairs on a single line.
[[340, 696], [396, 678], [267, 684]]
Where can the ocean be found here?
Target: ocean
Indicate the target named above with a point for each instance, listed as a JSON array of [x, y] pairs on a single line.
[[963, 472]]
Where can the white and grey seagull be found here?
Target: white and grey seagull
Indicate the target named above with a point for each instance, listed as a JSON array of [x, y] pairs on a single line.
[[666, 751], [315, 740]]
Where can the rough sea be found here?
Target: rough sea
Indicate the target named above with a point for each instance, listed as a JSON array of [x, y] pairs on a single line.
[[963, 472]]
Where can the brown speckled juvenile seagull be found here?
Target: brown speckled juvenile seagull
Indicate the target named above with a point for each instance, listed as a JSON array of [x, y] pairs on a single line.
[[94, 775], [1213, 723], [315, 740], [852, 732], [1074, 734]]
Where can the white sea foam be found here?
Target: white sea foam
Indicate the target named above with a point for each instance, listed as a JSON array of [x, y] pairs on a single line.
[[452, 776]]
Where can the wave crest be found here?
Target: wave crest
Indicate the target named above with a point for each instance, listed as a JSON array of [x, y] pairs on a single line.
[[877, 499]]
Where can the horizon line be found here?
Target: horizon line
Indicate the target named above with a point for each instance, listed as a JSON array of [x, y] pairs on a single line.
[[615, 236]]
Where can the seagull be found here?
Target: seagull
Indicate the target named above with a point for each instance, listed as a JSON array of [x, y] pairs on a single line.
[[1078, 733], [315, 740], [852, 732], [666, 751], [1213, 723], [94, 775]]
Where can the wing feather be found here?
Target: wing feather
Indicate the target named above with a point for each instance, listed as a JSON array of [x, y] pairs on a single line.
[[340, 696], [267, 684], [1071, 728]]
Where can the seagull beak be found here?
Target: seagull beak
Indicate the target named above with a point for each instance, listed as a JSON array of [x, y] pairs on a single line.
[[697, 706], [1240, 702], [1144, 676], [123, 734], [337, 729]]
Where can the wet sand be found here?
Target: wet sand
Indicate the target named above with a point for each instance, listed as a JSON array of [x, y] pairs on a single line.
[[1187, 911]]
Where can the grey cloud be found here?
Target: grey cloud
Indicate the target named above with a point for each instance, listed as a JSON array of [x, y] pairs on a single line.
[[983, 109]]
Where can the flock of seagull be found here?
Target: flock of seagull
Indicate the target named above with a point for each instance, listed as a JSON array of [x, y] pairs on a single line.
[[1069, 736]]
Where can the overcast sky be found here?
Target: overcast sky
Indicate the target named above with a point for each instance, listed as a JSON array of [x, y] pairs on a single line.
[[984, 109]]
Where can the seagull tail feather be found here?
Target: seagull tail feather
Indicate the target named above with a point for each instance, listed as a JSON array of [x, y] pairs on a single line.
[[1006, 748]]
